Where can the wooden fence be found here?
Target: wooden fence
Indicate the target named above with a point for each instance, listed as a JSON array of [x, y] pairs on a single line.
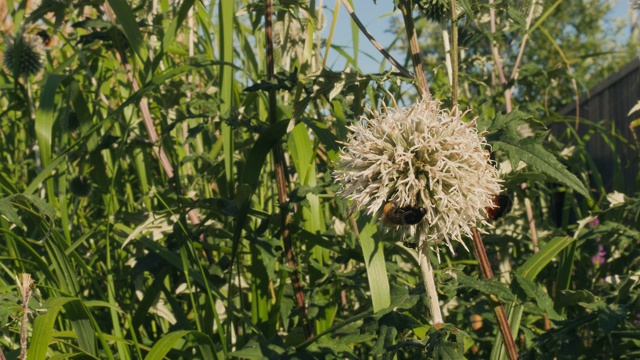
[[609, 103]]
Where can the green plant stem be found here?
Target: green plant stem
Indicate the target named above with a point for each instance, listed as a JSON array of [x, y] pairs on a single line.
[[281, 180], [25, 291], [498, 309], [496, 57], [429, 284], [422, 85], [454, 57], [334, 21], [375, 43]]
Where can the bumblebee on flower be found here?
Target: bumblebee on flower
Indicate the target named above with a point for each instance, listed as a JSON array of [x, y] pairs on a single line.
[[427, 163]]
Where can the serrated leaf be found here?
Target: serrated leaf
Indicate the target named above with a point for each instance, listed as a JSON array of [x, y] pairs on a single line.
[[514, 118], [570, 297], [609, 317], [535, 291], [7, 210], [439, 345], [488, 287], [255, 349], [386, 337], [468, 7], [531, 152], [516, 16]]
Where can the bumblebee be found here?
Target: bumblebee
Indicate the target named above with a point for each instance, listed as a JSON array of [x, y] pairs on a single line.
[[406, 215], [501, 204], [46, 39]]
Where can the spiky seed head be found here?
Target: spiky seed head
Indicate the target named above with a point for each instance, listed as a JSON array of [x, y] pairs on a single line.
[[421, 156], [24, 54]]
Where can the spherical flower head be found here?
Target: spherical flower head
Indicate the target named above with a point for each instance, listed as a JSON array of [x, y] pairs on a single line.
[[24, 55], [421, 156]]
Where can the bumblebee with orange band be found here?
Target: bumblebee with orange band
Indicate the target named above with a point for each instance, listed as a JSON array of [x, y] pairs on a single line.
[[406, 215], [500, 205], [45, 37]]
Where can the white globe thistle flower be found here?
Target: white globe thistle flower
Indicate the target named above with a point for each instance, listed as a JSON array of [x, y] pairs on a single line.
[[24, 55], [421, 156]]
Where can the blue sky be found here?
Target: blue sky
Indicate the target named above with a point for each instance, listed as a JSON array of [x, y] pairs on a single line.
[[376, 18]]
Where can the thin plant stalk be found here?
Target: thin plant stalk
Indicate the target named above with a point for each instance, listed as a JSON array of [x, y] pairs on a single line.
[[421, 79], [281, 180], [498, 309], [496, 57], [447, 54], [332, 29], [454, 57], [25, 290], [430, 285], [375, 43]]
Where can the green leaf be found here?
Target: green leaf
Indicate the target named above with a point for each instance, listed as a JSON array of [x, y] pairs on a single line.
[[609, 317], [256, 349], [8, 207], [536, 292], [324, 134], [8, 210], [571, 297], [530, 151], [162, 347], [172, 29], [440, 346], [504, 135], [81, 320], [516, 16], [130, 27], [502, 122], [373, 252], [258, 155], [226, 92], [488, 287], [532, 267], [45, 116]]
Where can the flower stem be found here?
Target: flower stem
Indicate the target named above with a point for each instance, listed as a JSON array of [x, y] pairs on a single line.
[[430, 285], [498, 309], [25, 291], [373, 41], [281, 181], [421, 79], [454, 57]]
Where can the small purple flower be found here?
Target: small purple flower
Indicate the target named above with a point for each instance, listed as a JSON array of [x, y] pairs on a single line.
[[599, 258]]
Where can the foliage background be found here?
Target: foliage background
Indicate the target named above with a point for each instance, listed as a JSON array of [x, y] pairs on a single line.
[[139, 190]]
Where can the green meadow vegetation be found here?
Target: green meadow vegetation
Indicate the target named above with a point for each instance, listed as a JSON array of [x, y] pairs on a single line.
[[167, 185]]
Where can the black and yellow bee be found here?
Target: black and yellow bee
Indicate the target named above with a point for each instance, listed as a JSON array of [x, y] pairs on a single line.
[[406, 215]]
